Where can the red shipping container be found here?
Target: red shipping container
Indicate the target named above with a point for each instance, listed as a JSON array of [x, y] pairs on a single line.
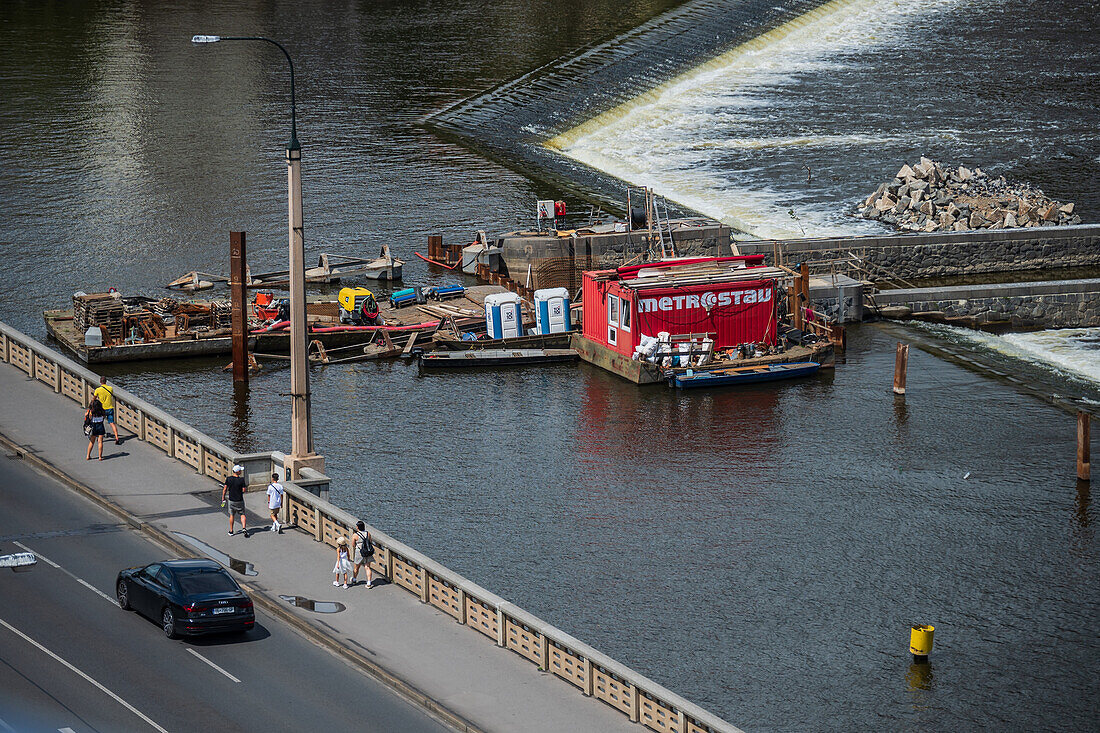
[[616, 315]]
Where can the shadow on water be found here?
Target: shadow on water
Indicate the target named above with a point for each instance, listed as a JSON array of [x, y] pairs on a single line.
[[316, 606], [238, 566]]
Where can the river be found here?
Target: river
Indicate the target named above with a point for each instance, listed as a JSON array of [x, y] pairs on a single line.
[[762, 552]]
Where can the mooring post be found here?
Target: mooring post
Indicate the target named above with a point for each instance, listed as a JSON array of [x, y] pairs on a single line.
[[1083, 464], [901, 368], [238, 321]]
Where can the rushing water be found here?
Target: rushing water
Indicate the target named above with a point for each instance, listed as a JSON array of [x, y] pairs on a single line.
[[761, 551], [784, 134]]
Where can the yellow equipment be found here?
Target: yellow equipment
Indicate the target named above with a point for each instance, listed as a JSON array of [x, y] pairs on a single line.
[[358, 306]]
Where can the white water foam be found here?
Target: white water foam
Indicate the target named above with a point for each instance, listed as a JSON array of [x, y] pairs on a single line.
[[1073, 352], [667, 138]]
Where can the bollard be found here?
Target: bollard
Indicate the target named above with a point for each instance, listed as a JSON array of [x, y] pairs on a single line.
[[901, 368], [920, 642], [1084, 468]]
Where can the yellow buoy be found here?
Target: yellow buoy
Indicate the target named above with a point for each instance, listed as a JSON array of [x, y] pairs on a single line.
[[920, 640]]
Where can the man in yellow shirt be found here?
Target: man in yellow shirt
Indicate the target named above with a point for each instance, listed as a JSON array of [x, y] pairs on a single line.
[[106, 397]]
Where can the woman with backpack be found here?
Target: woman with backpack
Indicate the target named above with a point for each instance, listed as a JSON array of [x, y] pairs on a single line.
[[94, 427], [364, 551]]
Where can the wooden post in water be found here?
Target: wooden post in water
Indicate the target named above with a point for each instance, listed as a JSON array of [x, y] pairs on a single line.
[[1083, 463], [238, 321], [901, 368]]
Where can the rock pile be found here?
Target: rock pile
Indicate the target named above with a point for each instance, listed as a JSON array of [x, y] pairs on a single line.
[[928, 197]]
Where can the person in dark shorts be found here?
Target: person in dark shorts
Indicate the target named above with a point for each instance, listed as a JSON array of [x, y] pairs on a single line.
[[234, 488], [95, 417]]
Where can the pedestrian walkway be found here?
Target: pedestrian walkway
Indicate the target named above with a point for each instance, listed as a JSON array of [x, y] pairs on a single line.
[[490, 687]]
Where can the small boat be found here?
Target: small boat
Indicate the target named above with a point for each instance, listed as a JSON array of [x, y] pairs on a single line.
[[447, 340], [332, 268], [496, 357], [723, 377]]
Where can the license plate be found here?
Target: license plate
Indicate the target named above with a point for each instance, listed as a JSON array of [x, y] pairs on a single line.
[[227, 609]]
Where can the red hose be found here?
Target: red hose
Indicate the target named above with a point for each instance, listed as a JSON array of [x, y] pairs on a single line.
[[282, 325], [414, 327]]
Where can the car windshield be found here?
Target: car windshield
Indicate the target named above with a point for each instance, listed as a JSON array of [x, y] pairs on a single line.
[[205, 581]]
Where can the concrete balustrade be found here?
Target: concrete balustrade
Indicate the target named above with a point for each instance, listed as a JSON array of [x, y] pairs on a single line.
[[306, 506]]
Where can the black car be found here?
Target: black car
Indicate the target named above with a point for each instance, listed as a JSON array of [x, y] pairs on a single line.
[[186, 597]]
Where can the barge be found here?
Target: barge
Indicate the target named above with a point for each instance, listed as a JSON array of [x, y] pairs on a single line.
[[658, 321]]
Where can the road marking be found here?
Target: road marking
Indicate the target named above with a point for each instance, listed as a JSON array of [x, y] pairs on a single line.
[[83, 582], [213, 665], [7, 727], [65, 730], [43, 558], [103, 689]]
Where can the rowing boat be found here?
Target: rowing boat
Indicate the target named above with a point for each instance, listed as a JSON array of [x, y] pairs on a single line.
[[743, 375]]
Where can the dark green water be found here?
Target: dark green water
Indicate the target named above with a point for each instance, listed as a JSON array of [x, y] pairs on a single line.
[[762, 552]]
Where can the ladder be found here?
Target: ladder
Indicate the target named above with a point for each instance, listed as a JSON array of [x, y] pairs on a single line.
[[664, 227]]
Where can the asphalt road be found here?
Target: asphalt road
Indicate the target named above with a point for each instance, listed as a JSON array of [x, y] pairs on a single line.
[[71, 659]]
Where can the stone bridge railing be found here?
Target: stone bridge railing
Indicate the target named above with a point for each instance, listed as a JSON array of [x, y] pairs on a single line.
[[592, 673]]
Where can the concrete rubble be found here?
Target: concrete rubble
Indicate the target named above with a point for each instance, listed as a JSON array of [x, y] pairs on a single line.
[[930, 197]]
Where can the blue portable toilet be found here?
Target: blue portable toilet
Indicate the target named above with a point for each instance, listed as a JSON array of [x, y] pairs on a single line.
[[503, 317], [552, 311]]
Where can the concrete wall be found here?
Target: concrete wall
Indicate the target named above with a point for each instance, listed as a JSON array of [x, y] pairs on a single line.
[[603, 251], [1051, 304], [951, 253]]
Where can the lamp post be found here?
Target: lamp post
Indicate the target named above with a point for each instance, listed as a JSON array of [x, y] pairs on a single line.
[[301, 451]]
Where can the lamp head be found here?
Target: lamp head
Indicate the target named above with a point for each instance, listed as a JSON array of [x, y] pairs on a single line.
[[205, 39]]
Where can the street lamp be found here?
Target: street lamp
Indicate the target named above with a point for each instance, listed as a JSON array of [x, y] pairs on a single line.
[[301, 451]]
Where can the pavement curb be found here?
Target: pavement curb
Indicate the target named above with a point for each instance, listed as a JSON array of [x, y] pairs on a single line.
[[402, 687]]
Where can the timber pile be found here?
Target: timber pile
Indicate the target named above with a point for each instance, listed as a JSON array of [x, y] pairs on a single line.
[[664, 275], [443, 311], [928, 197], [99, 309]]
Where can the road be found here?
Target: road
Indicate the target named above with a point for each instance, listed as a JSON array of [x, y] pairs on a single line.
[[72, 660]]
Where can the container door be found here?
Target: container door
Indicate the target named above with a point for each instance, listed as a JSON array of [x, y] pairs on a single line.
[[613, 320]]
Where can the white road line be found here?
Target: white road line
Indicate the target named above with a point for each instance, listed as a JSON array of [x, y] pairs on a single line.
[[43, 558], [213, 665], [7, 727], [83, 582], [65, 730], [103, 689]]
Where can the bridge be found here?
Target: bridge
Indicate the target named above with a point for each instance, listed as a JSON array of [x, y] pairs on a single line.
[[452, 648]]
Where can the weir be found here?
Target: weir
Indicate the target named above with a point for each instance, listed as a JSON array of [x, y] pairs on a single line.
[[512, 121], [457, 691]]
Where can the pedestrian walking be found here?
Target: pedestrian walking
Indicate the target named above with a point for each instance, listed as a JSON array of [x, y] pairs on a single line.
[[364, 552], [94, 418], [275, 493], [234, 488], [106, 395], [343, 562]]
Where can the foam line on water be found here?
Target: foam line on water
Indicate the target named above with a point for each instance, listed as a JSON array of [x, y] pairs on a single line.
[[1070, 351], [665, 138]]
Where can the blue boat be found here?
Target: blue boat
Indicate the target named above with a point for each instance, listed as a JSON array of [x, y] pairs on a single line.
[[744, 375]]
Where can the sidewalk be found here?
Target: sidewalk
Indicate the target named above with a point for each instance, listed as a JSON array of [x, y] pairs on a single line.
[[491, 687]]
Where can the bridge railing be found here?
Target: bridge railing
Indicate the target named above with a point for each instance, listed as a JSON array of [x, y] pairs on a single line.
[[591, 672]]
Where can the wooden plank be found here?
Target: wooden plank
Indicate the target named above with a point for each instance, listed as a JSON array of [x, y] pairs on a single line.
[[409, 346]]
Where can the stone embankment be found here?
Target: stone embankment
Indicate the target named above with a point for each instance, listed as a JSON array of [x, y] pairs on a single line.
[[928, 197]]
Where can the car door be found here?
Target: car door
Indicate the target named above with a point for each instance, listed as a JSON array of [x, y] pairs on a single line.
[[140, 588], [165, 592]]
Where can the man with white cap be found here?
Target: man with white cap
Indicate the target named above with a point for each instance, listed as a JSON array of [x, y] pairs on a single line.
[[234, 487]]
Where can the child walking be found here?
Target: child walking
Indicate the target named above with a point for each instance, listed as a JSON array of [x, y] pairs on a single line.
[[343, 562]]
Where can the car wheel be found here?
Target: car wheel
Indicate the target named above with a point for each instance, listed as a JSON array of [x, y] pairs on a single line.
[[168, 621], [123, 593]]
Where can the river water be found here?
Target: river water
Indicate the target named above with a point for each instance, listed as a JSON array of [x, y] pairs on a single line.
[[762, 552]]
